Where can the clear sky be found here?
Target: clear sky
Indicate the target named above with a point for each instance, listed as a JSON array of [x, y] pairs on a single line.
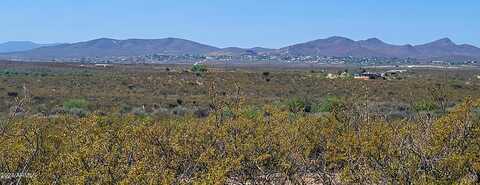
[[244, 23]]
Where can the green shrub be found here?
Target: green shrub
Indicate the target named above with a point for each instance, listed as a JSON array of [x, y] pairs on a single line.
[[75, 104], [425, 105], [199, 68], [295, 105], [124, 109], [8, 72], [228, 113], [252, 112], [329, 104]]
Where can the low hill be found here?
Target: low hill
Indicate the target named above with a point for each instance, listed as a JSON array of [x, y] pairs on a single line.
[[111, 47]]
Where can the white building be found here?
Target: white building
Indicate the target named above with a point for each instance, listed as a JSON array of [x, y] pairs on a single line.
[[103, 65]]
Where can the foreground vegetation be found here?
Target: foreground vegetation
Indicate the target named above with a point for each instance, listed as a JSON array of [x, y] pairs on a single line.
[[247, 145], [66, 124]]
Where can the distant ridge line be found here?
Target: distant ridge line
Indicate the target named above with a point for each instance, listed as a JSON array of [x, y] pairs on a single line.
[[333, 46]]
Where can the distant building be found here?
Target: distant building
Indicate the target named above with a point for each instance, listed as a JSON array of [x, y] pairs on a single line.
[[361, 77], [103, 65], [396, 71], [369, 76]]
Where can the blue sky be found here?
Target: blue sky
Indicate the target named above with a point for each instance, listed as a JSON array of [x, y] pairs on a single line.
[[245, 23]]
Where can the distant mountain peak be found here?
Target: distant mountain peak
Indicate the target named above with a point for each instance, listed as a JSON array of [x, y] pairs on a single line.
[[443, 42], [446, 39], [102, 39], [374, 40], [173, 38], [339, 38]]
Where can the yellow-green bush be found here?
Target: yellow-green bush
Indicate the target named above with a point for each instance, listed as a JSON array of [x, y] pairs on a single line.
[[269, 146]]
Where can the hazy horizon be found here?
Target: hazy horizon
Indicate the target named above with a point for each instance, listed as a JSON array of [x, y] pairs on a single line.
[[245, 24]]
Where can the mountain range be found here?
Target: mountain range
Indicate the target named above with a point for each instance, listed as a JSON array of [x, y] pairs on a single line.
[[16, 46], [333, 46], [340, 46], [106, 47]]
